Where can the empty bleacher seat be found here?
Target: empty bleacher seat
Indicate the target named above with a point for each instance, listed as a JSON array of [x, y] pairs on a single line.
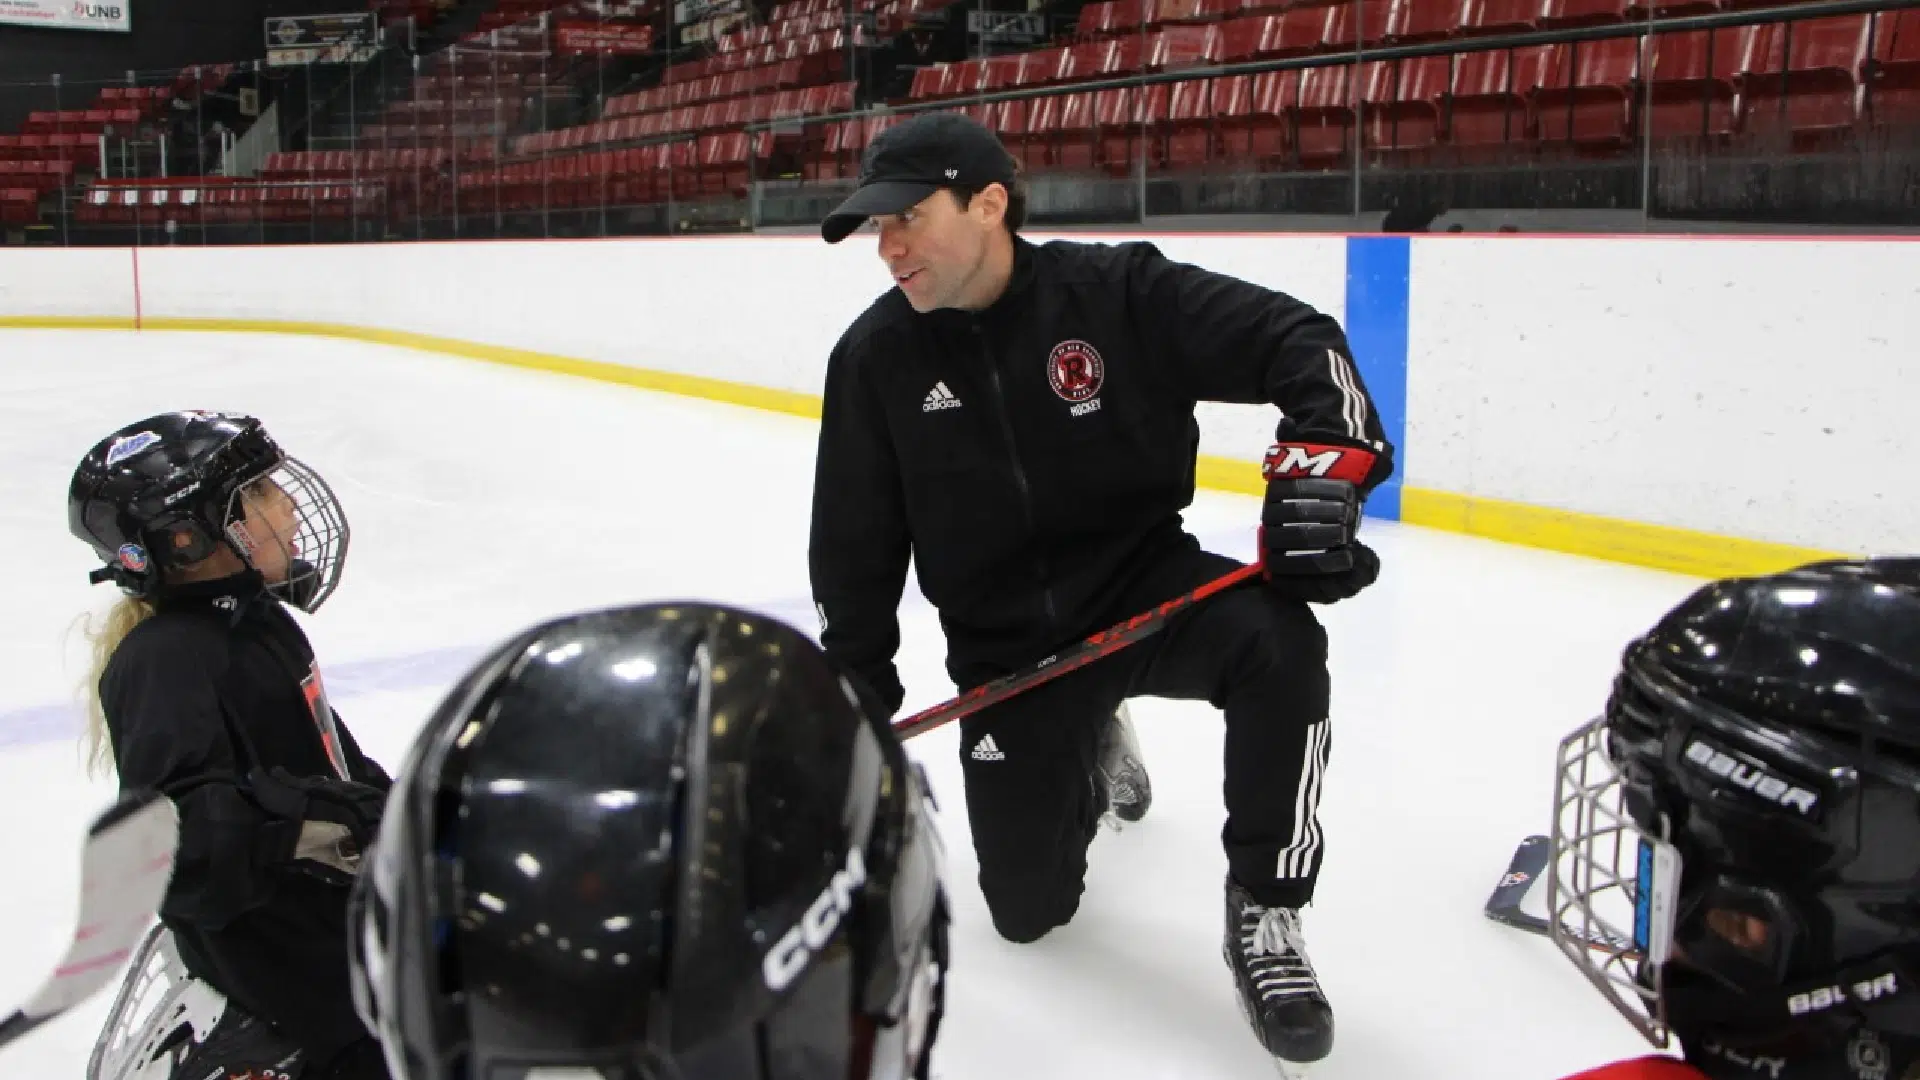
[[1586, 97], [1374, 23], [1073, 139], [1121, 114], [1803, 78], [1324, 115], [1490, 94], [1691, 91], [1482, 17], [1555, 14], [1187, 134], [1177, 47], [1401, 103], [19, 206], [1243, 39], [1893, 94], [1254, 113], [1301, 32], [1431, 20], [1664, 9]]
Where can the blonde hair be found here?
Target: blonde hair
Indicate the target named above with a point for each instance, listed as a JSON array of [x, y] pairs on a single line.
[[103, 637]]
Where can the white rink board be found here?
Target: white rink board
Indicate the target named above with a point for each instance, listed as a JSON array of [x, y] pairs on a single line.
[[1752, 387], [1756, 388]]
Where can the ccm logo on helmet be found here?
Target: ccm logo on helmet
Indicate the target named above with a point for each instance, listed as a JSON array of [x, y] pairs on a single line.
[[1751, 778], [791, 954]]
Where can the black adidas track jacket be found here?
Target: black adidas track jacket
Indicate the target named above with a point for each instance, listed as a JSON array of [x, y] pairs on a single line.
[[1031, 459]]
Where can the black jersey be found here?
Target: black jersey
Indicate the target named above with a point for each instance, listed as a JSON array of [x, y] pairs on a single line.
[[218, 682]]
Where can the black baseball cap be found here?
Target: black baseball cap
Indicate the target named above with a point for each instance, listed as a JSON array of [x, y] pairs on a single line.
[[911, 160]]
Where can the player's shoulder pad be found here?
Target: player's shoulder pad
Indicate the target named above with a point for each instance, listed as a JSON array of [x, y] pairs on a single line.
[[1653, 1067]]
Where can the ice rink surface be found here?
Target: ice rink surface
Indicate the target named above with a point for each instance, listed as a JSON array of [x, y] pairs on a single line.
[[483, 499]]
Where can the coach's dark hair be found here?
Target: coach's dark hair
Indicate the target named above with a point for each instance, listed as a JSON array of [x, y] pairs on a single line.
[[1016, 215]]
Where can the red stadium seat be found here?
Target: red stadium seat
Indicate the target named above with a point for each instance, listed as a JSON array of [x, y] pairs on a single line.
[[1401, 103], [1804, 78], [1324, 117], [1587, 96], [1432, 20], [1245, 39], [1074, 141], [1484, 17], [1254, 115], [1638, 10], [1893, 94], [1188, 131], [1490, 92], [1692, 82], [1096, 20], [1555, 14], [1382, 20], [1118, 114], [1302, 31]]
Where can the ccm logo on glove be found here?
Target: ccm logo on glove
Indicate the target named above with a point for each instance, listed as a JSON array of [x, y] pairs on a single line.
[[1303, 461], [1308, 549]]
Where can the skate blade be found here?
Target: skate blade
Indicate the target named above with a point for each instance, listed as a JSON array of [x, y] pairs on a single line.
[[1293, 1070]]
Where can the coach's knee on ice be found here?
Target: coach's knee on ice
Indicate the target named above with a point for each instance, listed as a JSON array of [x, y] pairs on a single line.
[[1025, 908]]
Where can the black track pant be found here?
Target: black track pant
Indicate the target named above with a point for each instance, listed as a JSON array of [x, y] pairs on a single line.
[[1032, 798]]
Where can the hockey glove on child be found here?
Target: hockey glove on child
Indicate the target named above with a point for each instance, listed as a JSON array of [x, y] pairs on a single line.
[[1308, 550], [336, 819]]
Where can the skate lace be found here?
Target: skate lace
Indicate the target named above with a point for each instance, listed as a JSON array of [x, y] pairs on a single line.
[[1276, 953]]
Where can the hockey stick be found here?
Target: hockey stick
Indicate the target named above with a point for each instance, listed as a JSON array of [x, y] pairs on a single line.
[[125, 866], [1105, 643], [1503, 907]]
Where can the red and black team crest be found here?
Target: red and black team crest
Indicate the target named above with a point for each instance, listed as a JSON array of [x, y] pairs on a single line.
[[1075, 370]]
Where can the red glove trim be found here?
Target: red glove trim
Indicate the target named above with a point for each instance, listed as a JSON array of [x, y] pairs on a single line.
[[1317, 461]]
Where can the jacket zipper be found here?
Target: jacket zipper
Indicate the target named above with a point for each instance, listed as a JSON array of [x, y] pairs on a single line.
[[1019, 478]]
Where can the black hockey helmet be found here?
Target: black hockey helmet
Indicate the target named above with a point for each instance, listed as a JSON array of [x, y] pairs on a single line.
[[168, 491], [1750, 806], [661, 842]]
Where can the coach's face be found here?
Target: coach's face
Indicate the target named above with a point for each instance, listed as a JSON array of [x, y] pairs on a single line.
[[937, 250]]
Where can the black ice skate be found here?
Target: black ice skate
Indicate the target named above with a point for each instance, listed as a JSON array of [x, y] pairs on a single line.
[[1279, 992], [1122, 772]]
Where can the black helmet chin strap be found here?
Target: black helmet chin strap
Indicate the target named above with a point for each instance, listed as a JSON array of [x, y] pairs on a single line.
[[140, 585]]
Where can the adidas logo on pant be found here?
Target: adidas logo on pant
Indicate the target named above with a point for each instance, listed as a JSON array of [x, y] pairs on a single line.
[[939, 398], [985, 750]]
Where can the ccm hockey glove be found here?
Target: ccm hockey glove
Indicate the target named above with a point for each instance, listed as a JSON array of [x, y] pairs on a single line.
[[1308, 550]]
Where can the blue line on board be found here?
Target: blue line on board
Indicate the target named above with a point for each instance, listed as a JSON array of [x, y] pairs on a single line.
[[1378, 286]]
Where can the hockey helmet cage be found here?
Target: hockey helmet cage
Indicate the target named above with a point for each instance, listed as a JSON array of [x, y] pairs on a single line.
[[168, 490], [1741, 828]]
